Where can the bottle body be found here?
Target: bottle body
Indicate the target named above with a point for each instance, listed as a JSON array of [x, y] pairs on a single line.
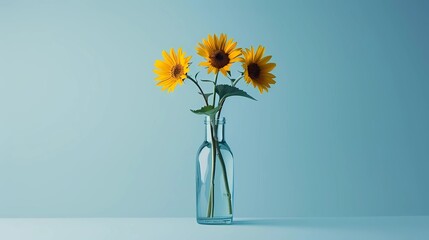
[[214, 177]]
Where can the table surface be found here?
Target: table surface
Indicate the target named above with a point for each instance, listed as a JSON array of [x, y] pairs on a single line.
[[186, 228]]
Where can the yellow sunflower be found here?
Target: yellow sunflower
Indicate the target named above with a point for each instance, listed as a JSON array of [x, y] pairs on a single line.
[[172, 70], [257, 68], [219, 52]]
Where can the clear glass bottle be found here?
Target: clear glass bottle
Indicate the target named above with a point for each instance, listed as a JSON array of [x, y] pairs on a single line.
[[214, 179]]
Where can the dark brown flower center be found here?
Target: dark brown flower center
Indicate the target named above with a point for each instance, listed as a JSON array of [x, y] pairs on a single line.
[[253, 70], [177, 71], [219, 59]]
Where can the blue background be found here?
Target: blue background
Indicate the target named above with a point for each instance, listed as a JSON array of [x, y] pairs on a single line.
[[84, 131]]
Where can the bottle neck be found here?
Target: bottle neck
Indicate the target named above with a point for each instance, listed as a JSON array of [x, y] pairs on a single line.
[[217, 128]]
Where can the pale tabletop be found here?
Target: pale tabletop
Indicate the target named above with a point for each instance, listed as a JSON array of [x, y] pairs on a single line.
[[186, 228]]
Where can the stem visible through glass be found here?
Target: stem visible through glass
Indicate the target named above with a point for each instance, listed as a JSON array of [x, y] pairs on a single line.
[[210, 207], [225, 178], [216, 151]]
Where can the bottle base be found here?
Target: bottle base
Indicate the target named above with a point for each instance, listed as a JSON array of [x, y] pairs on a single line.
[[215, 221]]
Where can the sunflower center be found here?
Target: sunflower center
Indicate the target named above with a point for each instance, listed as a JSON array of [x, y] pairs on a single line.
[[253, 70], [219, 59], [177, 71]]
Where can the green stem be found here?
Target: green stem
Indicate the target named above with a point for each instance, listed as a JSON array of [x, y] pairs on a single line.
[[216, 150], [210, 207], [222, 161], [236, 81], [220, 109], [225, 178], [199, 87], [214, 89]]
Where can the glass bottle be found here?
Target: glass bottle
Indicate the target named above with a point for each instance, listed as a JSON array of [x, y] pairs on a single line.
[[214, 179]]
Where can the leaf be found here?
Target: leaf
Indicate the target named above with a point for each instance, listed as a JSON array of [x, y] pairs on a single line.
[[205, 80], [225, 91], [196, 75], [206, 95], [207, 110], [229, 73]]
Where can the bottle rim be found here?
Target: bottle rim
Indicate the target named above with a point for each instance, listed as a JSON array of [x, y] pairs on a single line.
[[218, 121]]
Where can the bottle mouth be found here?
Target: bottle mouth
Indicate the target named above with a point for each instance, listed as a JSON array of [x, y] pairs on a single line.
[[217, 121]]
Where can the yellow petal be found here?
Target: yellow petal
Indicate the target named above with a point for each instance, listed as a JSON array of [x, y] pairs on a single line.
[[259, 53], [268, 67]]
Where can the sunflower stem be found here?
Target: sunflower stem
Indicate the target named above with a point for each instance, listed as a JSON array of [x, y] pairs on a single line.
[[210, 207], [225, 178], [222, 162], [220, 108], [199, 87], [236, 81], [214, 88]]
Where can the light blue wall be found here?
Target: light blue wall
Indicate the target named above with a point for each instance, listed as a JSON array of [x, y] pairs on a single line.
[[85, 132]]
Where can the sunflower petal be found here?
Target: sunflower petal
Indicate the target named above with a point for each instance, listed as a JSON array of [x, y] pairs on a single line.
[[172, 70], [259, 53], [213, 45]]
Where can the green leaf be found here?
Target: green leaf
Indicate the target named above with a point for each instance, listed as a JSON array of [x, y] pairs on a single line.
[[206, 94], [205, 80], [229, 73], [207, 110], [196, 75], [225, 91]]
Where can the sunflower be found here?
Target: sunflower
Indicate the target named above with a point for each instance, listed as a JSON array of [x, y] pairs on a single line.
[[219, 52], [172, 70], [257, 68]]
